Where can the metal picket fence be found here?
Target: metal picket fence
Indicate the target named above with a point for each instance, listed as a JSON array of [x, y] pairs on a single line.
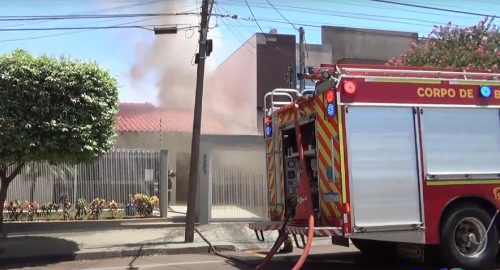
[[239, 185], [115, 176]]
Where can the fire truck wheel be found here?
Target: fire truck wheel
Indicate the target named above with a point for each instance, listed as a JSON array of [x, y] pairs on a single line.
[[374, 247], [461, 235]]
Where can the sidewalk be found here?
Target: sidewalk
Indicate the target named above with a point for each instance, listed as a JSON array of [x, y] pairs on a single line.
[[130, 242]]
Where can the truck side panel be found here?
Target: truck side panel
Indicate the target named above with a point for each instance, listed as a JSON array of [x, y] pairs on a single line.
[[461, 153], [440, 194], [328, 147]]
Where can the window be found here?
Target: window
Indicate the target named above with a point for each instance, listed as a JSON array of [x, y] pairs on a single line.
[[461, 141]]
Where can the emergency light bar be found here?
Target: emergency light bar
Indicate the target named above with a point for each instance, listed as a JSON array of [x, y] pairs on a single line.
[[486, 91]]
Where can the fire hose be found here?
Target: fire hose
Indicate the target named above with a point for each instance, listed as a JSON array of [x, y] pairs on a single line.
[[303, 204]]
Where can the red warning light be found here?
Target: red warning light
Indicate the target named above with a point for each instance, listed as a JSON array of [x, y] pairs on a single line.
[[349, 87], [268, 120], [329, 95]]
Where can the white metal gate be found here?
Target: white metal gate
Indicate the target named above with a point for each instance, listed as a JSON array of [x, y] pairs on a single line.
[[239, 186]]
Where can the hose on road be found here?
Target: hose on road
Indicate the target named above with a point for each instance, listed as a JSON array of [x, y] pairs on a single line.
[[212, 249], [307, 247], [281, 238]]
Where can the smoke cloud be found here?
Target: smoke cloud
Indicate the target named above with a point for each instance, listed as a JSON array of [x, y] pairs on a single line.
[[170, 61]]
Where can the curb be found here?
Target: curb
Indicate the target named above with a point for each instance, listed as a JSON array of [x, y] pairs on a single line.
[[95, 254], [74, 226]]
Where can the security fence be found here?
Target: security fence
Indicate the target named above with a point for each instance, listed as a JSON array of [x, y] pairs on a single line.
[[116, 176], [233, 183]]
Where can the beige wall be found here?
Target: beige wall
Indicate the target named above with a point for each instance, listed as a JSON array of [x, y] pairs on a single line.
[[178, 146], [353, 45]]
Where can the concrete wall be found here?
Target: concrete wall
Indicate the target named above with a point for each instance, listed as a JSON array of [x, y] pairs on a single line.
[[365, 46], [275, 55], [316, 54], [178, 146]]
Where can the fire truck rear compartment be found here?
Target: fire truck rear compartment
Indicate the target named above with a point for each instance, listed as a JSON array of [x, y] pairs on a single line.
[[382, 149], [291, 165]]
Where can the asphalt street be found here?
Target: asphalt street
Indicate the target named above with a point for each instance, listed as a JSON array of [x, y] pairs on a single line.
[[322, 257]]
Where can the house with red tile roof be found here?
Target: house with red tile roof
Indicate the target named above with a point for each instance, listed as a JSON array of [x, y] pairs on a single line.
[[145, 126]]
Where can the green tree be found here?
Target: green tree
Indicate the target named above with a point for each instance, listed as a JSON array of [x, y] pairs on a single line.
[[450, 46], [52, 109]]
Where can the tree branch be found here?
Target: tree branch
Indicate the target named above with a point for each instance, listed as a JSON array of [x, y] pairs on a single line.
[[16, 171], [3, 172]]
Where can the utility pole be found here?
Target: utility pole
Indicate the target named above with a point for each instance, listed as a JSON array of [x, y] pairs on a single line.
[[206, 9], [302, 57]]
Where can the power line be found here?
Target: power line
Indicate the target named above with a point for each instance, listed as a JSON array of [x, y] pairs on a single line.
[[435, 8], [251, 12], [145, 27], [91, 16], [413, 11], [229, 28], [69, 33], [277, 10], [94, 12], [359, 16]]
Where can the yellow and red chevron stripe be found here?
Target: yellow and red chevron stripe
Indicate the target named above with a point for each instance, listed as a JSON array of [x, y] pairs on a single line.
[[281, 195], [328, 152], [271, 173], [306, 106]]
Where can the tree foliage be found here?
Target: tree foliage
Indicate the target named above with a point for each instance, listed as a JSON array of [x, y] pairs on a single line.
[[53, 109], [450, 46]]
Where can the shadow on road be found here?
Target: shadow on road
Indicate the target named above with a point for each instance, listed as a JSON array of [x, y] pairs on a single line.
[[40, 250], [354, 260]]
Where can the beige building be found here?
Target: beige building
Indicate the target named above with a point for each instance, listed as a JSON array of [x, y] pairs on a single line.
[[144, 126]]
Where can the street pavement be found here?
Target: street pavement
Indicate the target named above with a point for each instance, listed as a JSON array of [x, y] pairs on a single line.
[[145, 248], [322, 257], [141, 241]]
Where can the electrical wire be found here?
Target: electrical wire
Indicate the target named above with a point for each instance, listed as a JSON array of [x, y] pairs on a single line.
[[230, 29], [282, 16], [89, 16], [360, 16], [251, 12], [435, 8], [72, 32], [145, 27], [93, 12]]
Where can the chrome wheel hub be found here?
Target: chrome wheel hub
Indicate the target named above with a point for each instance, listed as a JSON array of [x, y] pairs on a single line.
[[468, 235]]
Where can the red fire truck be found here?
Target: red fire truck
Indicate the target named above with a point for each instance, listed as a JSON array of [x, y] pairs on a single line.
[[399, 157]]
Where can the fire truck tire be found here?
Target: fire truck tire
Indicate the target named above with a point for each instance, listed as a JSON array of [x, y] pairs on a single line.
[[374, 247], [461, 235]]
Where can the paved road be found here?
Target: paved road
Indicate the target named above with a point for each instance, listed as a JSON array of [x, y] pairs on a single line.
[[322, 258]]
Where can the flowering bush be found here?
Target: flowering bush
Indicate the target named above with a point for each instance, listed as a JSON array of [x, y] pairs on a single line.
[[81, 208], [96, 207], [15, 209], [456, 47], [66, 207], [154, 200], [113, 206], [143, 205], [32, 210]]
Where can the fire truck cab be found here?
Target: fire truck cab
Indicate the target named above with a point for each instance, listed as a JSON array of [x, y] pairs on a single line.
[[400, 157]]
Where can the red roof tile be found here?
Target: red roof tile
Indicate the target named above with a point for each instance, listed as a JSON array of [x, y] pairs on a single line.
[[145, 117]]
